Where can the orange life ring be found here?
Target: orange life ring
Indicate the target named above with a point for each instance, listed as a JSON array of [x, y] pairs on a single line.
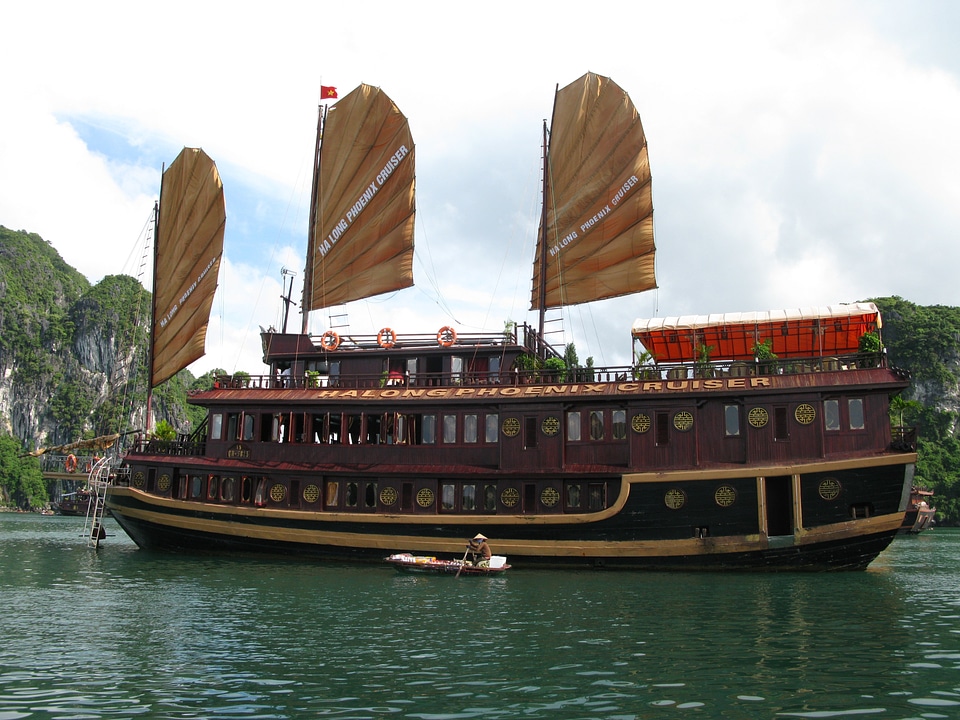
[[330, 340], [386, 338], [446, 336], [71, 463]]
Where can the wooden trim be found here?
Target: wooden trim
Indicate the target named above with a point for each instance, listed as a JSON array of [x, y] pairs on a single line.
[[765, 470]]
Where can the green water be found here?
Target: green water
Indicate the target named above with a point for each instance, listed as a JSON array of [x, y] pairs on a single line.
[[119, 633]]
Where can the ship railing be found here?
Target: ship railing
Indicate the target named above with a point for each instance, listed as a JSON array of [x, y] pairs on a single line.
[[772, 366], [152, 446], [903, 438], [51, 463], [548, 376], [401, 340]]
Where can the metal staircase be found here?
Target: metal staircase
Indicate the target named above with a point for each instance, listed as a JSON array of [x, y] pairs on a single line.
[[99, 482]]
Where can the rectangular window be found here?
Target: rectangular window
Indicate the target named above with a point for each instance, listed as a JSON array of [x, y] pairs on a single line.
[[731, 420], [573, 493], [619, 424], [332, 497], [216, 426], [831, 414], [596, 424], [780, 430], [353, 423], [227, 488], [448, 497], [428, 430], [248, 427], [573, 426], [470, 428], [233, 426], [294, 497], [529, 433], [352, 495], [490, 498], [855, 408], [468, 500], [373, 429], [370, 495], [267, 427], [449, 428], [494, 369], [596, 496], [663, 428], [456, 370], [492, 427]]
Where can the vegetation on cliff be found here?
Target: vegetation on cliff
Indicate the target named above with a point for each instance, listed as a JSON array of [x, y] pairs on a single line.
[[72, 357], [926, 341]]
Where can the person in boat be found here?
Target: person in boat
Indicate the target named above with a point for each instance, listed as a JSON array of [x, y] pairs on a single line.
[[480, 550]]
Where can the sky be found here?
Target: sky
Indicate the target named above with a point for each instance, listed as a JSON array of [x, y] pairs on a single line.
[[802, 154]]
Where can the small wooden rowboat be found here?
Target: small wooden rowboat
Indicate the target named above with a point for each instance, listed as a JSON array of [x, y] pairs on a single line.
[[407, 562]]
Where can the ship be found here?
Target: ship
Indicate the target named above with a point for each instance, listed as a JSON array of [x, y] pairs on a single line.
[[920, 511], [735, 441]]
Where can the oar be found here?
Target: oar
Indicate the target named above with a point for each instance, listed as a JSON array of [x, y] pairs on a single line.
[[462, 562]]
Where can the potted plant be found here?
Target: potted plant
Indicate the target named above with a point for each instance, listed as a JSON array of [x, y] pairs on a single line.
[[702, 366], [869, 348], [643, 368], [764, 356]]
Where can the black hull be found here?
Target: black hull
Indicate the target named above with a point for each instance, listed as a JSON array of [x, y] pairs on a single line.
[[192, 533]]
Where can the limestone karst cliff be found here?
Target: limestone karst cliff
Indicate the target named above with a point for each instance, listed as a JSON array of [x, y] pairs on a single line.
[[72, 354]]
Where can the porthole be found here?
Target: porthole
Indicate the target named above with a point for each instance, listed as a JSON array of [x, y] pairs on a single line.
[[805, 414], [311, 493], [725, 496], [758, 417], [388, 496], [640, 423], [683, 421], [510, 497], [674, 499], [425, 497], [550, 426], [549, 497], [277, 492], [829, 489], [138, 479], [163, 484], [511, 426]]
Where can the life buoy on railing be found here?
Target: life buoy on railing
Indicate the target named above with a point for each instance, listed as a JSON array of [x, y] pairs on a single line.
[[446, 336], [71, 463], [386, 338], [330, 340]]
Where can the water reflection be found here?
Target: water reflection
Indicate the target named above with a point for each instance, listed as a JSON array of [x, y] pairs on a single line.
[[123, 632]]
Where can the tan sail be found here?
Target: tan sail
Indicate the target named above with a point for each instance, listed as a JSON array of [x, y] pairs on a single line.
[[599, 209], [189, 246], [362, 242]]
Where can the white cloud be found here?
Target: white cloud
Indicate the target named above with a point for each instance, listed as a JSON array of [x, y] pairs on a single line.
[[802, 154]]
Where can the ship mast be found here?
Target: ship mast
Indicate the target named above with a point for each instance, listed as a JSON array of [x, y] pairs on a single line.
[[311, 232], [542, 290], [148, 421]]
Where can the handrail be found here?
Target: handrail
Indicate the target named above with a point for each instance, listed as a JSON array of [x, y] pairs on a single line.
[[547, 376]]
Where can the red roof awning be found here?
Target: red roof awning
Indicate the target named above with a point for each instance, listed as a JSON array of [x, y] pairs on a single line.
[[803, 332]]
